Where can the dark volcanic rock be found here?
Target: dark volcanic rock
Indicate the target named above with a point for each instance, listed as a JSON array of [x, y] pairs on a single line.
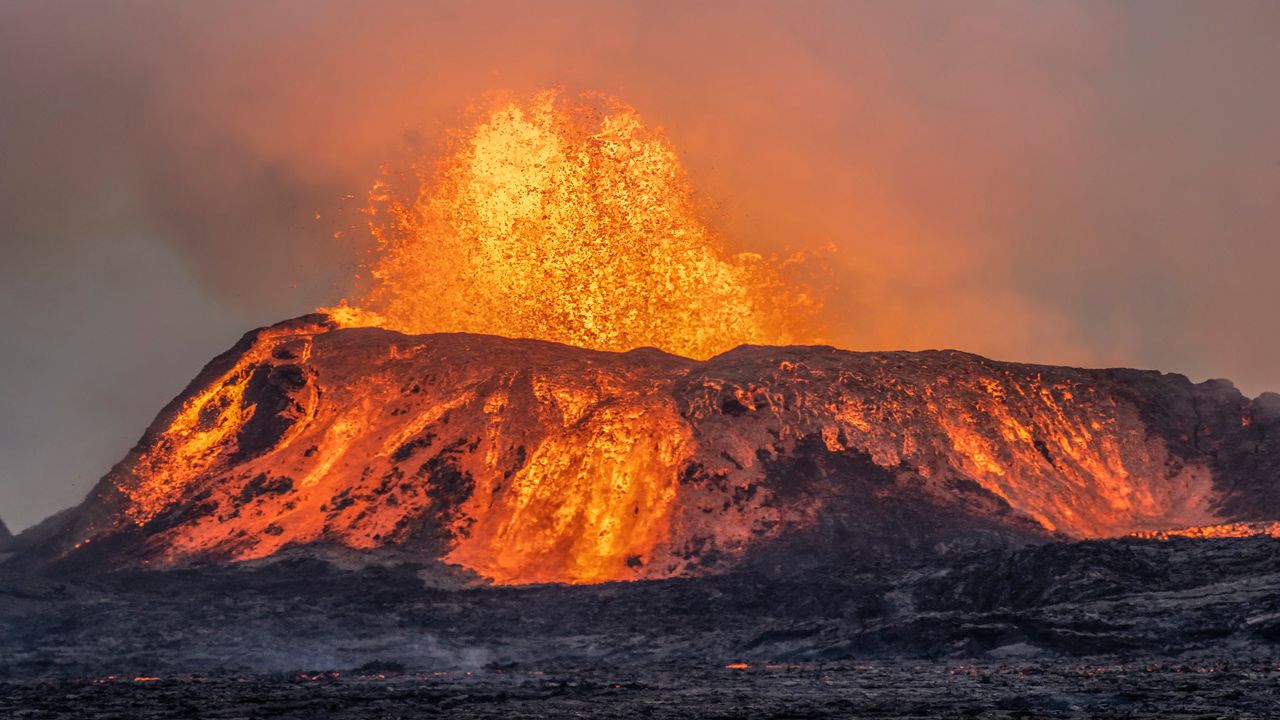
[[1117, 628], [1135, 598], [1186, 689], [5, 537]]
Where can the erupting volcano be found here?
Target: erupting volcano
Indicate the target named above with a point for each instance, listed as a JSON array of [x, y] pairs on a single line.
[[791, 376], [570, 450], [530, 461]]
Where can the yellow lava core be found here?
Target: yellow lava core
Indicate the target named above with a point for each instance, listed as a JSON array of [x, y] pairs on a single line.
[[566, 219]]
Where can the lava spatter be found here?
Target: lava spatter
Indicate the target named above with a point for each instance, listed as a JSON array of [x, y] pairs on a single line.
[[567, 219]]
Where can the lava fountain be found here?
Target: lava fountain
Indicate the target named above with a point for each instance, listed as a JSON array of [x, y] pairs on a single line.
[[567, 219]]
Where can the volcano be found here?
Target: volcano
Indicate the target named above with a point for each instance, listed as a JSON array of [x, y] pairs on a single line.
[[562, 429], [443, 519], [526, 461]]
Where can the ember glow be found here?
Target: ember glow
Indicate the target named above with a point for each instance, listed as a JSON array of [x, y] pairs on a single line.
[[567, 219], [1227, 530]]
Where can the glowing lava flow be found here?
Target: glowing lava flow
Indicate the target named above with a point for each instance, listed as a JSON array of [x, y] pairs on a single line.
[[566, 220], [202, 427], [592, 500]]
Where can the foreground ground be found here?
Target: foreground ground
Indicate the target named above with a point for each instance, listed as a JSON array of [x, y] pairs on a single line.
[[1114, 629], [1093, 688]]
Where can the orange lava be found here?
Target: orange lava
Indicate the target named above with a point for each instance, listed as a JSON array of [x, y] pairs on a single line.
[[592, 497], [566, 219], [198, 431], [1225, 530]]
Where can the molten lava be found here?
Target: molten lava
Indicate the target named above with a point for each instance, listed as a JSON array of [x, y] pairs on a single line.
[[1228, 530], [566, 220]]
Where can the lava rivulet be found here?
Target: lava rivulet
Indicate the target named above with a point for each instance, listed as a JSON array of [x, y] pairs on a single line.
[[529, 461], [203, 425], [567, 220]]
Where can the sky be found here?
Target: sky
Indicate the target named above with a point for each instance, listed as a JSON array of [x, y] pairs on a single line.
[[1084, 183]]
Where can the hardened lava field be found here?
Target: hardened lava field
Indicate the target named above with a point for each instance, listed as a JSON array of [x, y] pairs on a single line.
[[1198, 688]]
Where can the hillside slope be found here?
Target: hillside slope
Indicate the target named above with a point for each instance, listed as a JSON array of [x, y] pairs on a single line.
[[529, 461]]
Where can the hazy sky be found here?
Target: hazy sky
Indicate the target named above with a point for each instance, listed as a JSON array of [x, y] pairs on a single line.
[[1076, 183]]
